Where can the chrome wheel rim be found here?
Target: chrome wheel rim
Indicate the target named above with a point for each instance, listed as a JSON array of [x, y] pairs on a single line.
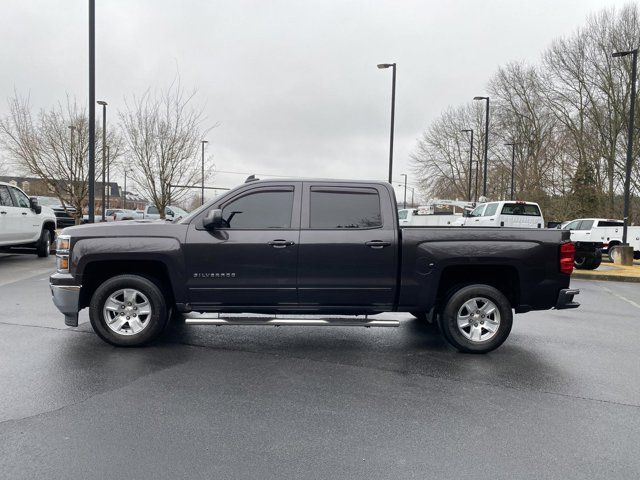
[[127, 311], [478, 319]]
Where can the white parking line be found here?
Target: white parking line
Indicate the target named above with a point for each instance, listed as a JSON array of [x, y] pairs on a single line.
[[630, 302]]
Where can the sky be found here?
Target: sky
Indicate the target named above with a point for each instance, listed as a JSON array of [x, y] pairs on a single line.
[[291, 87]]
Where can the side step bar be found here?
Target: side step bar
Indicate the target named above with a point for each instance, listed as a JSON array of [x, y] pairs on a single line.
[[203, 319]]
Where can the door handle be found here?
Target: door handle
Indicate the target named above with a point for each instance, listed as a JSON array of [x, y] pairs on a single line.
[[3, 213], [377, 244], [24, 213], [279, 243]]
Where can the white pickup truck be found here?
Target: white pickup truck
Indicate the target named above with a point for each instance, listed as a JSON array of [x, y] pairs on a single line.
[[24, 223], [171, 212], [604, 230], [507, 213]]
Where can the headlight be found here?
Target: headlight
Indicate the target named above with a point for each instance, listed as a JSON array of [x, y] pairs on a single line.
[[63, 246]]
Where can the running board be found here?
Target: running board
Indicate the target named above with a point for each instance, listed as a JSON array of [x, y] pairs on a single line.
[[202, 319]]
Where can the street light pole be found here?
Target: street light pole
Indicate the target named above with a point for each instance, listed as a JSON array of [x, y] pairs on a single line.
[[92, 109], [486, 144], [393, 113], [404, 203], [632, 109], [513, 164], [470, 158], [202, 194], [108, 176], [104, 152]]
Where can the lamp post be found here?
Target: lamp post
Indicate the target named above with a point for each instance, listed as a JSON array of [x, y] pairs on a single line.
[[486, 144], [466, 130], [632, 109], [513, 164], [104, 152], [108, 176], [404, 203], [92, 109], [202, 194], [393, 112]]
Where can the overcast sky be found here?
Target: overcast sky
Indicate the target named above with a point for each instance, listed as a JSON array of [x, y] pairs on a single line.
[[293, 84]]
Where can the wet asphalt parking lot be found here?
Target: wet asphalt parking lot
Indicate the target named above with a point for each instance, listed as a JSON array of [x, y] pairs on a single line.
[[560, 399]]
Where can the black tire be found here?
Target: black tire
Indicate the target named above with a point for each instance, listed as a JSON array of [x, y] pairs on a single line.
[[595, 261], [157, 319], [581, 262], [43, 246], [449, 325]]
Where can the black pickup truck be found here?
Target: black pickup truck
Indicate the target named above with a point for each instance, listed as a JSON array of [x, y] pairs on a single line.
[[308, 247]]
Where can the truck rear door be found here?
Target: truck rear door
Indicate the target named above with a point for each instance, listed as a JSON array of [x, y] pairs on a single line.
[[348, 246]]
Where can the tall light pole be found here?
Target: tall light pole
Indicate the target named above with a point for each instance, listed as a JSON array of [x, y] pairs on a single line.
[[513, 164], [393, 113], [632, 109], [202, 195], [92, 109], [486, 144], [404, 203], [108, 176], [466, 130], [104, 151]]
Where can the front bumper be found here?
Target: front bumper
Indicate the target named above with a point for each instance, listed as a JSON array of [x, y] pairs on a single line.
[[565, 298], [67, 299]]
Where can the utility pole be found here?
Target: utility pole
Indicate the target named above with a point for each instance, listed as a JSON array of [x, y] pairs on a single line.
[[108, 176]]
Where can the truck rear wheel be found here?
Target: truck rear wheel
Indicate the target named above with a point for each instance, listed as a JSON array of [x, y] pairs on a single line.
[[476, 319], [128, 311]]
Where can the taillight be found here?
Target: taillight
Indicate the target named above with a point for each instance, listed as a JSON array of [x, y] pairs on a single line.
[[567, 257]]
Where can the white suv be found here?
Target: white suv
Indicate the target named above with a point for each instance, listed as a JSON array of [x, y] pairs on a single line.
[[24, 223]]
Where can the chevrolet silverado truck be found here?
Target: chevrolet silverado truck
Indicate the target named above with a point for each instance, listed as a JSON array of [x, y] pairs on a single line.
[[301, 247]]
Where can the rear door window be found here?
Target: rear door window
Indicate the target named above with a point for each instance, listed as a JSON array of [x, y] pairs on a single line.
[[344, 208], [585, 225], [5, 197], [524, 209], [491, 209]]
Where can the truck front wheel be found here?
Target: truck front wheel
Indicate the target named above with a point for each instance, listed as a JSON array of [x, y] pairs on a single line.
[[476, 319], [128, 311]]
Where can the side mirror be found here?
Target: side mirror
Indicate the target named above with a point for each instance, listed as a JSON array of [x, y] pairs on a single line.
[[33, 204], [213, 219]]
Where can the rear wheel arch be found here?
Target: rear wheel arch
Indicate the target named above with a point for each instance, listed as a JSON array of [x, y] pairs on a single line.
[[504, 278]]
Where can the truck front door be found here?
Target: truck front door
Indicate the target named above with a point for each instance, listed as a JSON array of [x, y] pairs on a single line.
[[251, 261], [348, 247]]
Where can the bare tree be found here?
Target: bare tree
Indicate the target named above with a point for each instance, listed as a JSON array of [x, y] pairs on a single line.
[[41, 146], [163, 131]]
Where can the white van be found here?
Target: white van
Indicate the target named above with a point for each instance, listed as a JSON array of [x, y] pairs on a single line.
[[505, 214]]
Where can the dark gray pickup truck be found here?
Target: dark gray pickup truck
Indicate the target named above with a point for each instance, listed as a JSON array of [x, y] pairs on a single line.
[[308, 247]]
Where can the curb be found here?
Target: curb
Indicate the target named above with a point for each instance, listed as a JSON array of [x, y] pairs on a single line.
[[605, 277]]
